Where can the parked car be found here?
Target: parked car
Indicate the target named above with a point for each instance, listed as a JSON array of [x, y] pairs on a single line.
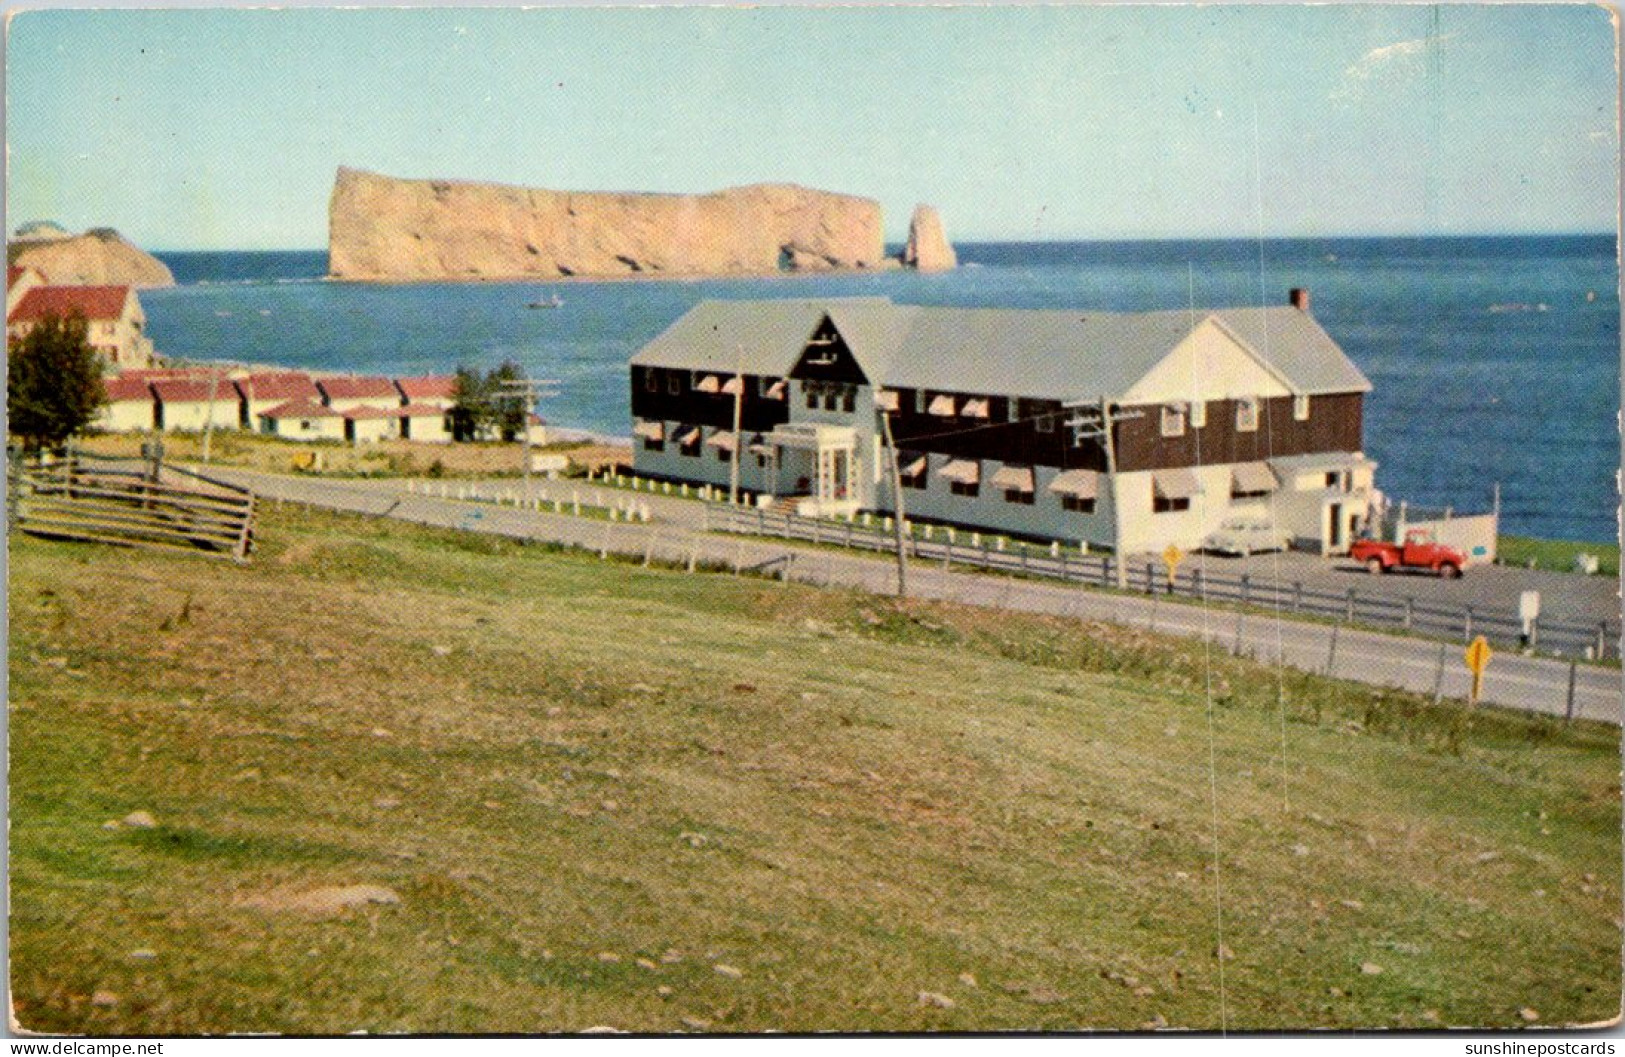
[[1245, 535], [1419, 551]]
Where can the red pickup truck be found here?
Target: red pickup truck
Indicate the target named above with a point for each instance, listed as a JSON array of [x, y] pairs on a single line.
[[1419, 551]]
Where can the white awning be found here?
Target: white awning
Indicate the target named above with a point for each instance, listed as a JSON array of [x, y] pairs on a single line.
[[942, 406], [975, 408], [761, 449], [963, 471], [910, 463], [1175, 484], [776, 390], [886, 400], [1013, 478], [689, 435], [1252, 477], [650, 430], [1079, 484], [708, 384], [723, 440], [733, 386]]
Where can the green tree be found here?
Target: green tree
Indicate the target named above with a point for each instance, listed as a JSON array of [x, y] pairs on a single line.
[[53, 382], [471, 404], [508, 410]]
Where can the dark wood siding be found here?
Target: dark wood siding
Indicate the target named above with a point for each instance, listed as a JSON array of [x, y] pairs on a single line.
[[1334, 424], [1024, 443], [757, 414]]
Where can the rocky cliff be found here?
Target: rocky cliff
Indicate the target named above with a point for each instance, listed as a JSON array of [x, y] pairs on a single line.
[[383, 228], [927, 249], [99, 257]]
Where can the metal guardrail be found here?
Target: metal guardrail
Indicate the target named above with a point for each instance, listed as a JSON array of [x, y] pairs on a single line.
[[129, 502], [1432, 620]]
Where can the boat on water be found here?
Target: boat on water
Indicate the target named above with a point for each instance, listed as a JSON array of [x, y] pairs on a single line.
[[553, 301]]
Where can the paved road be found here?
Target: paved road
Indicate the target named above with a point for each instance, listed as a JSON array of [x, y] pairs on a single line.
[[1529, 683]]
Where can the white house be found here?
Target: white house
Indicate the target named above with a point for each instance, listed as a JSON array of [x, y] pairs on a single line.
[[303, 420], [425, 423], [116, 323], [195, 404], [349, 392], [997, 416], [261, 391], [130, 406]]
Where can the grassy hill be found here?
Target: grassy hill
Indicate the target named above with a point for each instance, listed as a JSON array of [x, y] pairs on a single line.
[[610, 796]]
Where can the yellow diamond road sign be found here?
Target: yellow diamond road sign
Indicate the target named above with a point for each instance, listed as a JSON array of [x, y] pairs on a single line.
[[1173, 556], [1478, 656]]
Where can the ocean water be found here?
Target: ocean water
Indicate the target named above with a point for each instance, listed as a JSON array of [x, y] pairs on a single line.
[[1494, 359]]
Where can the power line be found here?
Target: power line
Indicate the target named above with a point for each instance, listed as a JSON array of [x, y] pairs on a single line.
[[533, 390]]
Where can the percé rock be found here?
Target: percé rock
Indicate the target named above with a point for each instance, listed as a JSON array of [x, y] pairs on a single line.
[[99, 257], [384, 228], [928, 249]]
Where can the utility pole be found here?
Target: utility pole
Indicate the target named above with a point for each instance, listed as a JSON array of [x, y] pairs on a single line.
[[739, 401], [1097, 425], [208, 423], [531, 390], [901, 514]]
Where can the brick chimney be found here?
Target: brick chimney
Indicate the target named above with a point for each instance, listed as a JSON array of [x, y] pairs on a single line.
[[1298, 296]]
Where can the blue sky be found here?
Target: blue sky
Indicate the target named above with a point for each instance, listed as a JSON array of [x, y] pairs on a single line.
[[222, 129]]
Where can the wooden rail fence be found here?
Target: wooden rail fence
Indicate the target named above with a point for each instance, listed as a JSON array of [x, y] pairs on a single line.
[[131, 503], [1351, 606]]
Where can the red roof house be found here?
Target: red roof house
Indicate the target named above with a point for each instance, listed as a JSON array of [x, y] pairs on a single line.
[[95, 303], [129, 407], [346, 392], [197, 403], [434, 387], [116, 321]]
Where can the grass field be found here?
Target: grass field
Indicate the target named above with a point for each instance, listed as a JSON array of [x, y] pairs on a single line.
[[389, 458], [608, 795], [1558, 555]]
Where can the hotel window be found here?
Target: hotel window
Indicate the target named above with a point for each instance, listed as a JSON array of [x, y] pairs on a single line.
[[1076, 505], [849, 399], [650, 444], [812, 395], [919, 401], [1173, 420], [1161, 504], [1034, 411], [651, 383], [674, 383], [969, 489], [911, 470], [1247, 415], [724, 455], [1198, 414], [1300, 407], [688, 442]]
